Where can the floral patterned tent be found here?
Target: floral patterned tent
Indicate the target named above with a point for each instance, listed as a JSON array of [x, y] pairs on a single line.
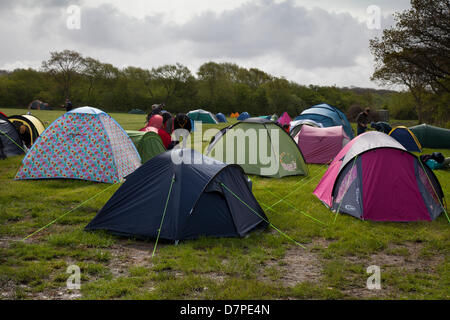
[[85, 143]]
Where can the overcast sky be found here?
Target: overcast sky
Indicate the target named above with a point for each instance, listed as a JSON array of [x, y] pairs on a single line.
[[322, 42]]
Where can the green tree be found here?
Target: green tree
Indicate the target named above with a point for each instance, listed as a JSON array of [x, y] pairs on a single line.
[[415, 52], [64, 66]]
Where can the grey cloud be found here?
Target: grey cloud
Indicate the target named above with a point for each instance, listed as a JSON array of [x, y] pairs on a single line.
[[102, 27], [283, 34], [307, 38]]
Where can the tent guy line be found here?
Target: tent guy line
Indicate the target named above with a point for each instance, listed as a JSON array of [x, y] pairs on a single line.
[[71, 210], [270, 223]]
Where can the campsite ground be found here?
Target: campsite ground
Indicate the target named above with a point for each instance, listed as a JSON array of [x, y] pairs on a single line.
[[414, 257]]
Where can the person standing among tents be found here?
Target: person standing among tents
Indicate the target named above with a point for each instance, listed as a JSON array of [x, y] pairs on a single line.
[[182, 128], [167, 122], [156, 109], [68, 105], [362, 120], [155, 124]]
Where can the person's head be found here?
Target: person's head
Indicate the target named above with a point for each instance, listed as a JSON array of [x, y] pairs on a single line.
[[367, 110], [156, 121], [166, 116], [22, 129]]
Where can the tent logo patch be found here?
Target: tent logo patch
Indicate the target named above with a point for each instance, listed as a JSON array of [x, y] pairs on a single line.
[[350, 207]]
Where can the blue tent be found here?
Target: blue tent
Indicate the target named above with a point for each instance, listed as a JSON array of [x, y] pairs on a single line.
[[328, 116], [406, 138], [243, 116], [189, 199], [221, 117]]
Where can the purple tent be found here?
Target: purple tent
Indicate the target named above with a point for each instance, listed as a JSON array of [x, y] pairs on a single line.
[[374, 178], [321, 145], [284, 119]]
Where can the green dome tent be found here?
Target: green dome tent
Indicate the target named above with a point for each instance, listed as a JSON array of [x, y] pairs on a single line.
[[431, 136], [203, 116], [136, 111], [148, 144], [260, 147]]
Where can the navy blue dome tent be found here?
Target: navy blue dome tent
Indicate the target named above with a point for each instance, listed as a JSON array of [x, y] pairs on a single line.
[[243, 116], [328, 116], [188, 200], [221, 117], [10, 142]]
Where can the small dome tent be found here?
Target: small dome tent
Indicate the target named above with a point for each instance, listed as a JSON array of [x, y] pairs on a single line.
[[260, 147], [406, 138], [33, 124], [148, 144], [431, 136], [374, 178], [321, 145], [203, 116], [84, 143], [203, 198], [221, 117], [284, 119], [243, 116], [10, 142], [296, 125], [136, 111], [328, 116]]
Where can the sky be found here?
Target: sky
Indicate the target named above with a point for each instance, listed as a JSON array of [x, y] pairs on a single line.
[[319, 42]]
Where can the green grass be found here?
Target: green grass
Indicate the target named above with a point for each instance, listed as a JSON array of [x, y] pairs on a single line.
[[414, 257]]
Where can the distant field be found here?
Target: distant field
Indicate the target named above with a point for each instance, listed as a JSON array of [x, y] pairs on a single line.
[[414, 257]]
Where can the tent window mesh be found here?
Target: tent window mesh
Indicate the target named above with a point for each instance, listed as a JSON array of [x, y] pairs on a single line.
[[346, 182]]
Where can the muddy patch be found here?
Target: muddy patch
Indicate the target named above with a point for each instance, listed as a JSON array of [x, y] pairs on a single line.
[[405, 258], [298, 265], [127, 255]]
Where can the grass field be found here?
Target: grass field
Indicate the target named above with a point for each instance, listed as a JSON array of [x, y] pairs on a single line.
[[414, 257]]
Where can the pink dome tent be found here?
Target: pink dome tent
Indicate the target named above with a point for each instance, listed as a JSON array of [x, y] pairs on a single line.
[[284, 119], [374, 178], [321, 145]]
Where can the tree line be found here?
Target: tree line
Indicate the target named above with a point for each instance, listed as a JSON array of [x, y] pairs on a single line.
[[414, 53], [218, 87]]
